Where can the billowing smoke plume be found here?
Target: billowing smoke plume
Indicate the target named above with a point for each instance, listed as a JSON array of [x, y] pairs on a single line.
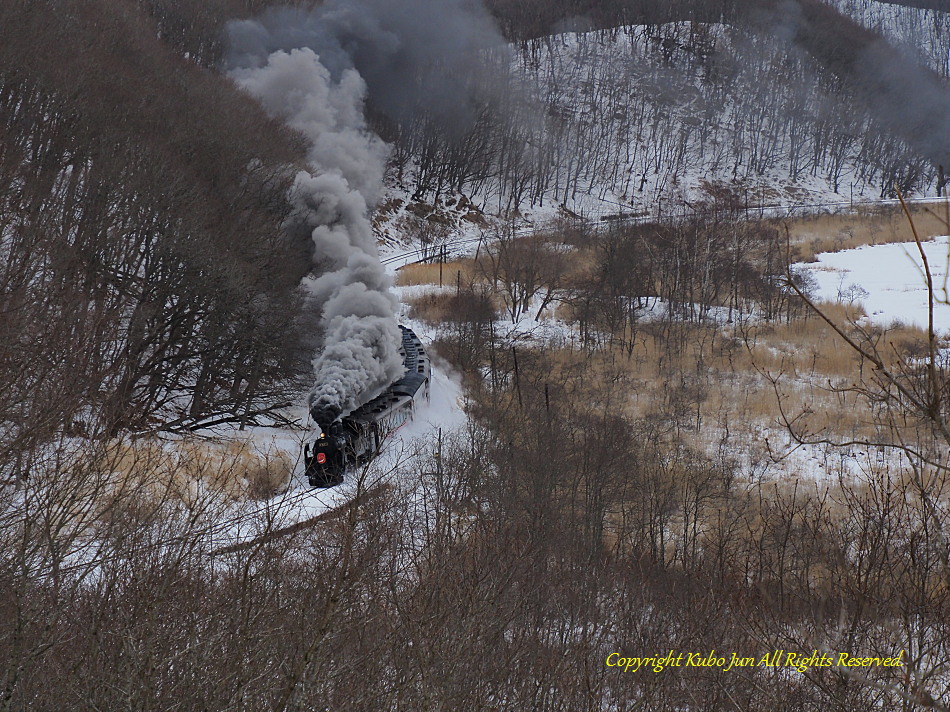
[[352, 290], [308, 67], [912, 100]]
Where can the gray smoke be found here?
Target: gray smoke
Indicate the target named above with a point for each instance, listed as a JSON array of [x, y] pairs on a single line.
[[352, 291], [912, 100], [909, 99], [415, 55]]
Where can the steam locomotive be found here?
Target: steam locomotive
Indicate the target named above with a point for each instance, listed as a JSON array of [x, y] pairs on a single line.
[[359, 436]]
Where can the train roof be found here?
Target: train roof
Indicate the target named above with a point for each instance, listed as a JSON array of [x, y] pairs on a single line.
[[416, 362]]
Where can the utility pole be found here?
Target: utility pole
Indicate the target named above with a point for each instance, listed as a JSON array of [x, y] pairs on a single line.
[[514, 353], [491, 356]]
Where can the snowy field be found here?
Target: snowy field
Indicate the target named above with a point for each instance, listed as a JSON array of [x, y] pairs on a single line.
[[888, 280]]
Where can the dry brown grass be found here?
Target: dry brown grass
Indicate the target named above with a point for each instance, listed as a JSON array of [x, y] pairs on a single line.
[[739, 379], [745, 378], [185, 470], [871, 226], [144, 480], [441, 307], [428, 273], [726, 390]]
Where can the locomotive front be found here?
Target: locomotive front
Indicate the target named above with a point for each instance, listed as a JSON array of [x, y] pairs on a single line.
[[325, 460]]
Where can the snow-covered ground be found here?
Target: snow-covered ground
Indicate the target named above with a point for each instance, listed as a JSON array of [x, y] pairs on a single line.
[[583, 70], [299, 502], [674, 155], [767, 453], [888, 280]]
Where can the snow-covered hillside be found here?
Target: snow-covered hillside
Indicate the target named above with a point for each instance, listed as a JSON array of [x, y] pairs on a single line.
[[655, 119]]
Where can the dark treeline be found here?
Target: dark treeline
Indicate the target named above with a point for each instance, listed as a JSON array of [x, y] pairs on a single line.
[[528, 19], [942, 5]]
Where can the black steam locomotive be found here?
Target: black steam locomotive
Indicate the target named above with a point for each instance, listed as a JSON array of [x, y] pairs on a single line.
[[358, 437]]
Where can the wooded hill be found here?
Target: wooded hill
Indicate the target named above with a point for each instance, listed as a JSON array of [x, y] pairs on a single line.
[[652, 97]]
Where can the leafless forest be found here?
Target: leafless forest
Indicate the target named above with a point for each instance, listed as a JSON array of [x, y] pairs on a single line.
[[613, 491]]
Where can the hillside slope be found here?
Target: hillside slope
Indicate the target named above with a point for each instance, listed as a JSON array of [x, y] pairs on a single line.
[[648, 119], [145, 261]]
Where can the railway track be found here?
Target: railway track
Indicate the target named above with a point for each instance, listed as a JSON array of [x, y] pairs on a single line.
[[761, 212]]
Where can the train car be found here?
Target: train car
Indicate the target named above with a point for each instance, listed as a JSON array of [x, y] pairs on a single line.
[[359, 436]]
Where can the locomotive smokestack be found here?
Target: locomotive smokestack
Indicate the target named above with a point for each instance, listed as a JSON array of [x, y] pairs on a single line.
[[324, 415]]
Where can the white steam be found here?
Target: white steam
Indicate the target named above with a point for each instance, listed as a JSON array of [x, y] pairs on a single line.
[[352, 291]]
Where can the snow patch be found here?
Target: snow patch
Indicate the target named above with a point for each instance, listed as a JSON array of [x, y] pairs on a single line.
[[887, 280]]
